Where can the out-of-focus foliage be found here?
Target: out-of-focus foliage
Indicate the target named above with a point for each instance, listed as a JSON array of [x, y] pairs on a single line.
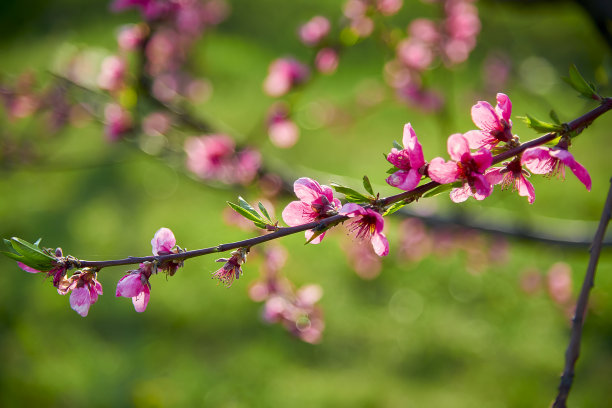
[[434, 332]]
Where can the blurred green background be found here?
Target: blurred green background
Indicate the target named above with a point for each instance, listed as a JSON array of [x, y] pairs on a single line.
[[432, 333]]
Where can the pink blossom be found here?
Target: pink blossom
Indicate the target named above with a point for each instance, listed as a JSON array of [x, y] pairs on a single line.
[[467, 167], [326, 60], [283, 75], [494, 124], [314, 30], [118, 122], [136, 285], [512, 175], [424, 30], [163, 241], [408, 162], [85, 290], [316, 202], [415, 54], [388, 7], [130, 37], [208, 157], [150, 9], [283, 132], [552, 161], [112, 73], [368, 224], [232, 268]]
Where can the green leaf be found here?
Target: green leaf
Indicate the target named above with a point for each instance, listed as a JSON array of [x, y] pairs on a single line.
[[394, 207], [367, 185], [440, 189], [397, 145], [540, 126], [555, 117], [350, 194], [392, 170], [246, 213], [264, 211], [30, 254], [577, 81]]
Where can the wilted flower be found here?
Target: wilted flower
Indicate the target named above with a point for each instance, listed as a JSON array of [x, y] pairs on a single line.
[[408, 162], [316, 202], [467, 167], [136, 285], [367, 225], [232, 269], [85, 290]]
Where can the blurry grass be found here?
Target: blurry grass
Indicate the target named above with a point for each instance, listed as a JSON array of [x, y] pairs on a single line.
[[427, 334]]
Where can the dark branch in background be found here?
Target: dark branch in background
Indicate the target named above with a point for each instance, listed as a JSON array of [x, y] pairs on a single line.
[[573, 349]]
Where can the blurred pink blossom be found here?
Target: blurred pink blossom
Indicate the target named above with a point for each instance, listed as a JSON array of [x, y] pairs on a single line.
[[315, 30], [388, 7], [131, 36], [326, 61], [118, 122], [283, 75], [559, 280], [112, 73]]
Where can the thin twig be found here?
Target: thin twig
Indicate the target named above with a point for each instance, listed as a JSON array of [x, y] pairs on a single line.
[[573, 349]]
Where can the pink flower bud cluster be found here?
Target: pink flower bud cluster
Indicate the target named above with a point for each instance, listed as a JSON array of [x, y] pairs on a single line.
[[135, 284], [295, 310], [214, 157]]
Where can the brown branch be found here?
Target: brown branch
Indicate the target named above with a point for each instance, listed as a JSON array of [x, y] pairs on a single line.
[[573, 349]]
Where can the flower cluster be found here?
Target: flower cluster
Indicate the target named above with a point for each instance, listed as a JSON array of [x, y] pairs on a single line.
[[472, 170], [295, 310], [450, 39], [214, 157]]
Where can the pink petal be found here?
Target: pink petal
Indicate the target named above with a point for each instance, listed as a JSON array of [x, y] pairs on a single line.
[[525, 189], [579, 171], [163, 241], [443, 172], [129, 286], [482, 187], [80, 300], [477, 139], [298, 213], [538, 160], [380, 244], [352, 210], [459, 195], [494, 175], [142, 299], [415, 150], [316, 240], [27, 268], [307, 189], [485, 117], [483, 159], [457, 146], [405, 180], [504, 107]]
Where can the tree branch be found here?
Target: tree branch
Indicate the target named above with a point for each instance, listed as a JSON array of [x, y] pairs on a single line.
[[573, 349]]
